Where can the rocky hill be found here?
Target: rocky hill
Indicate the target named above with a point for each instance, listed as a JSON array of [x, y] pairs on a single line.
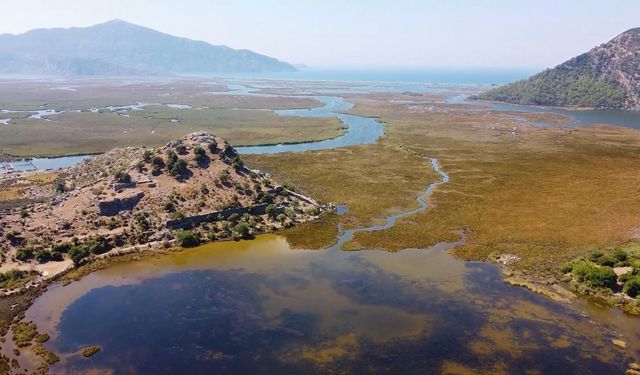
[[193, 190], [118, 48], [608, 76]]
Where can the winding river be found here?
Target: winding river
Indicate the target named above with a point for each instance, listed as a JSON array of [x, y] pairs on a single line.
[[359, 130]]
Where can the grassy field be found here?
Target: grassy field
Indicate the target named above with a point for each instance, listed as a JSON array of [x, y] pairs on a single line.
[[87, 132], [545, 195], [243, 120]]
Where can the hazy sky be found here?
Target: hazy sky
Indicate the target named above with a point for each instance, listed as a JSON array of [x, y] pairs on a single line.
[[365, 33]]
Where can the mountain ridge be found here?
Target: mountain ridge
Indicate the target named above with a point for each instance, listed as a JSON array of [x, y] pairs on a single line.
[[607, 76], [118, 47]]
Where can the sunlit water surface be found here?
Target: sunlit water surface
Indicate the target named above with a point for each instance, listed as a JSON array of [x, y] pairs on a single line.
[[261, 307]]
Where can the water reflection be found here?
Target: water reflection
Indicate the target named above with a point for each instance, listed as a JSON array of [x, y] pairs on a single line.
[[260, 307]]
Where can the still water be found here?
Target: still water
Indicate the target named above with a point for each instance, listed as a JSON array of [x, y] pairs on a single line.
[[578, 117], [261, 307], [360, 130]]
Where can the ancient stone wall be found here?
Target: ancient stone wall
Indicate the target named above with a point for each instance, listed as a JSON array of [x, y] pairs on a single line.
[[114, 206], [191, 221]]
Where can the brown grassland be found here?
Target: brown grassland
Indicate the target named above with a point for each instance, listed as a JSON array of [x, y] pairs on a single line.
[[546, 195]]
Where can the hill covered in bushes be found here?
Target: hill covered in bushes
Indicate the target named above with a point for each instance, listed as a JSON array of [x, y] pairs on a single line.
[[608, 76]]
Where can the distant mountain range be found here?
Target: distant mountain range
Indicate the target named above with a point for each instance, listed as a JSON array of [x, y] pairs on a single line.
[[608, 76], [119, 48]]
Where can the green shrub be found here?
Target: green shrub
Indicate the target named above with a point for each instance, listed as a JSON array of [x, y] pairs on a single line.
[[122, 177], [632, 286], [565, 268], [606, 261], [620, 256], [181, 149], [147, 156], [237, 163], [595, 256], [234, 217], [24, 254], [78, 253], [59, 186], [56, 256], [13, 279], [270, 209], [224, 177], [13, 238], [267, 198], [61, 248], [187, 238], [178, 169], [98, 245], [595, 276], [43, 256], [172, 157], [12, 275], [200, 154], [169, 206], [157, 164], [242, 229]]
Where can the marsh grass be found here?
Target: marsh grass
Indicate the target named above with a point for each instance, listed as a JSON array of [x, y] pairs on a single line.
[[99, 132], [374, 181], [546, 195]]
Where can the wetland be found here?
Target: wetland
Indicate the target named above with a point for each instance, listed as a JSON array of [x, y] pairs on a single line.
[[430, 192]]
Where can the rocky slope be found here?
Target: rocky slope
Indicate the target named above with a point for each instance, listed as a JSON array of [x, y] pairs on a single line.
[[608, 76], [192, 190], [119, 48]]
